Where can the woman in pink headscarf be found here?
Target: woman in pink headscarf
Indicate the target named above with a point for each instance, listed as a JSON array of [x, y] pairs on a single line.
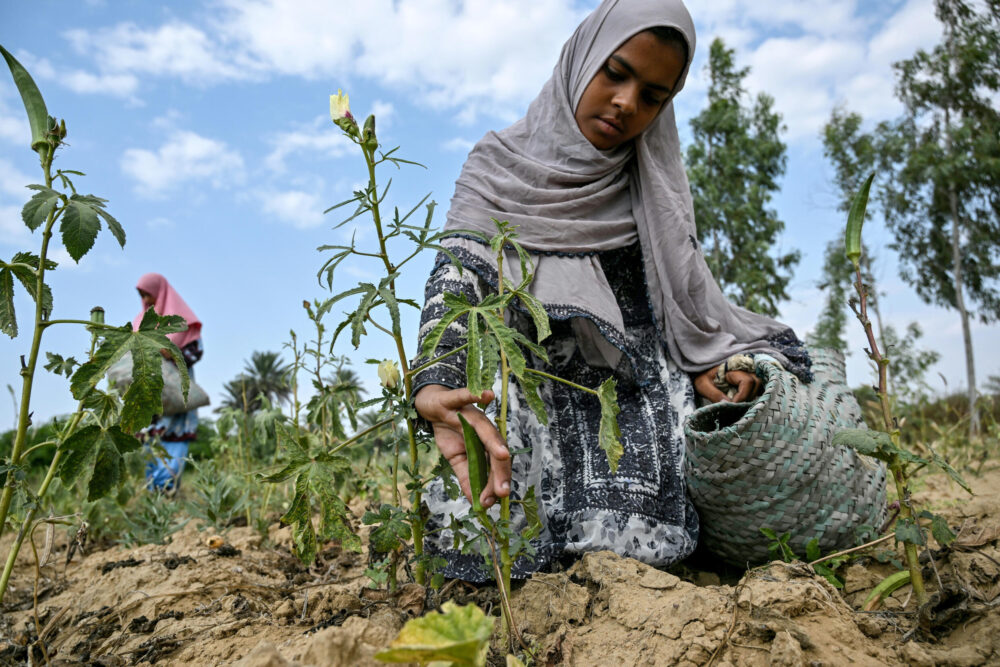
[[175, 432]]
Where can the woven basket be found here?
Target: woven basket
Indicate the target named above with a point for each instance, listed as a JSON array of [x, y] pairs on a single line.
[[771, 464]]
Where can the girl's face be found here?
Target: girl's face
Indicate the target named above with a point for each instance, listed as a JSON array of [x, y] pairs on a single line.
[[628, 92], [147, 299]]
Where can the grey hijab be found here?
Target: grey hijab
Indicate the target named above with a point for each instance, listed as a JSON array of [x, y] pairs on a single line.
[[568, 200]]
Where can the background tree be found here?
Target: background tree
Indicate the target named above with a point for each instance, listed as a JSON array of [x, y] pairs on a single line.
[[942, 201], [733, 165], [266, 375]]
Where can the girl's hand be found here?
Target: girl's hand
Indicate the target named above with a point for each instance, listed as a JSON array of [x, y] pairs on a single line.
[[748, 386], [440, 406]]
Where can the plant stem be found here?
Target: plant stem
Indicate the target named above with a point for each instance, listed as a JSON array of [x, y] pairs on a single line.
[[896, 465], [413, 371], [416, 520], [26, 526], [505, 559], [28, 371], [564, 381]]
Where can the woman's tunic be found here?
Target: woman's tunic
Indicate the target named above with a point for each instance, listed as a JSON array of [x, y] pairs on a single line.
[[643, 510]]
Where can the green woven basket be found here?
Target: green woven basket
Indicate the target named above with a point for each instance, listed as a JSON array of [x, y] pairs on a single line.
[[771, 464]]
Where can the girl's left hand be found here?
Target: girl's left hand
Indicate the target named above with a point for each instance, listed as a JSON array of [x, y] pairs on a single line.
[[748, 386]]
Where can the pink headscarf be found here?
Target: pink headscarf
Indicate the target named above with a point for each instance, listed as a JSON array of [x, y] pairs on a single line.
[[168, 302]]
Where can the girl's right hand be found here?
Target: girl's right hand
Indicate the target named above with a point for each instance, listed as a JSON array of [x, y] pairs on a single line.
[[440, 406]]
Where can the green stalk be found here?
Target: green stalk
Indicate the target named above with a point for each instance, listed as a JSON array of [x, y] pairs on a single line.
[[28, 371], [896, 466], [416, 521], [43, 489], [505, 559]]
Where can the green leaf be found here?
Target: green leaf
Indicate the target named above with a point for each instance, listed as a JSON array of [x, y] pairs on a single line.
[[101, 448], [56, 364], [529, 387], [142, 399], [8, 319], [457, 635], [34, 105], [610, 435], [113, 225], [939, 528], [106, 406], [538, 314], [38, 208], [475, 452], [391, 531], [529, 504], [876, 444], [941, 463], [909, 532], [299, 517], [79, 228], [855, 220]]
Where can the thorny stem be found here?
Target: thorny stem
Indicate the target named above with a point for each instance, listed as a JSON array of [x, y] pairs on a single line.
[[416, 522], [28, 372], [895, 465]]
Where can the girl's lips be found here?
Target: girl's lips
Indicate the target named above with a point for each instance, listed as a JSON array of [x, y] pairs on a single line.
[[608, 127]]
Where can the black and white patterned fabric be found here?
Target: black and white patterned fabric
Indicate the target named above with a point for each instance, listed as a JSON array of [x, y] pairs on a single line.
[[643, 510]]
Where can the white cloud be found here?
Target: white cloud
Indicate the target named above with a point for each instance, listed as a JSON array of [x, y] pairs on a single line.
[[321, 138], [458, 144], [302, 210], [173, 49], [186, 156]]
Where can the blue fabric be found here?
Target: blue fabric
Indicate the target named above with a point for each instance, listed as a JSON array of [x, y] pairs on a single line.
[[162, 474]]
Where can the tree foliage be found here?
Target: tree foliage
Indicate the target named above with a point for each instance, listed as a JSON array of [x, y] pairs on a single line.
[[734, 164]]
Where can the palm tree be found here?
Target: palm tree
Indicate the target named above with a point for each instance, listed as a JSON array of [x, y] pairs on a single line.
[[265, 374]]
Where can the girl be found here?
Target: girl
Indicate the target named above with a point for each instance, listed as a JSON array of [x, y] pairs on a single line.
[[175, 432], [593, 179]]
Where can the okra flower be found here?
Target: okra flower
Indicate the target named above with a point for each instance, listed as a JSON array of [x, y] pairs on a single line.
[[388, 374], [340, 114]]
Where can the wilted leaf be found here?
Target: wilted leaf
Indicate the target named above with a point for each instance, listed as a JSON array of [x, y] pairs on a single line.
[[459, 635], [610, 434]]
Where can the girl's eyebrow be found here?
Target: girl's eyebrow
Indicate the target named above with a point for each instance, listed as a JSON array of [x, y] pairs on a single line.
[[631, 70]]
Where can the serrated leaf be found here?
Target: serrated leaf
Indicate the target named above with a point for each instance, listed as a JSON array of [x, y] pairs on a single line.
[[456, 635], [529, 387], [433, 337], [34, 104], [105, 406], [56, 364], [37, 209], [299, 517], [533, 524], [941, 463], [876, 444], [939, 528], [142, 399], [610, 434], [8, 319], [100, 448], [391, 529], [114, 226], [909, 532], [79, 228], [538, 314]]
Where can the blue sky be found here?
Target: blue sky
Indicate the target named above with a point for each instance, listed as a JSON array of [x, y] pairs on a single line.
[[206, 126]]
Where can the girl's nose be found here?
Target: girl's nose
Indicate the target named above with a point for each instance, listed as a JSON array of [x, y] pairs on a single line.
[[625, 99]]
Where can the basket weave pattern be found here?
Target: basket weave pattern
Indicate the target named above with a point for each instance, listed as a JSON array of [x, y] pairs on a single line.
[[771, 464]]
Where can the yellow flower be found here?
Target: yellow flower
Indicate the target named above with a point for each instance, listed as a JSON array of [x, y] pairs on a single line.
[[340, 106], [388, 374]]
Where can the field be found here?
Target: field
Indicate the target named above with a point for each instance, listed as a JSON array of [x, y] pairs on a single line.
[[250, 602]]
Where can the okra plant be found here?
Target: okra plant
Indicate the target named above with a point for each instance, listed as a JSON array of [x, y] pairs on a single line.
[[100, 431], [885, 445]]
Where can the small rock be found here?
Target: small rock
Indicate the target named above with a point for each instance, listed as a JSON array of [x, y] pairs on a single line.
[[658, 580], [786, 651], [285, 610]]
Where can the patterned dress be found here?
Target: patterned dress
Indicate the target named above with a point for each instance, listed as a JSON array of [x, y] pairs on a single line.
[[643, 510], [175, 433]]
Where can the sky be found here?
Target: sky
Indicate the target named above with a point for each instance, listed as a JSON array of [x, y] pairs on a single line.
[[206, 125]]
